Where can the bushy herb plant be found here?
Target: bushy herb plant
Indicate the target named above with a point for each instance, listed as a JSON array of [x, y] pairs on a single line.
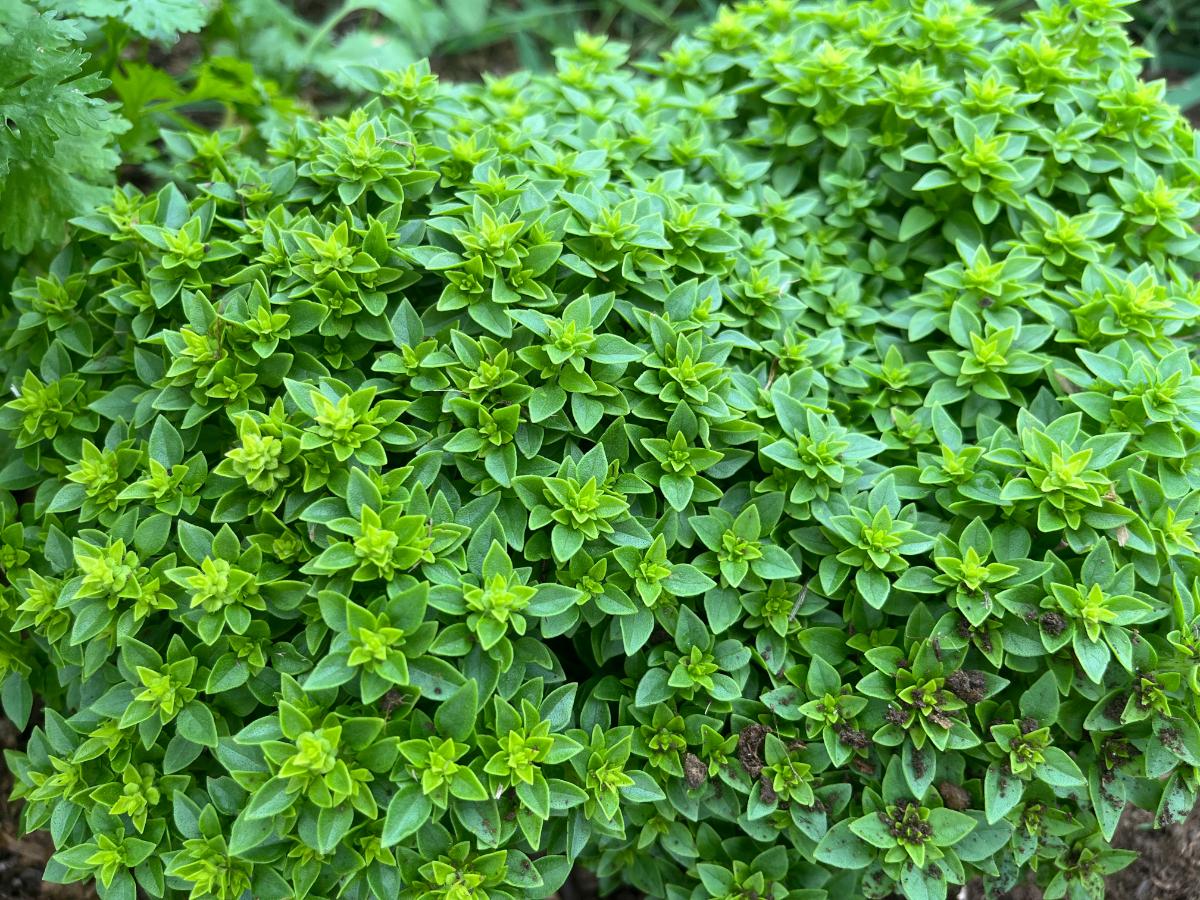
[[773, 474]]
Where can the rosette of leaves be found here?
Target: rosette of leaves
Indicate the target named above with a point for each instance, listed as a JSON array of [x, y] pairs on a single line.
[[772, 473]]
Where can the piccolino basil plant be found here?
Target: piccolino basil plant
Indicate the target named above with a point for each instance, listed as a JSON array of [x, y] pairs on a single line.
[[773, 473]]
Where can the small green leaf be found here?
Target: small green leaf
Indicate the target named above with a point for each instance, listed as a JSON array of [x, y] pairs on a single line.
[[407, 811]]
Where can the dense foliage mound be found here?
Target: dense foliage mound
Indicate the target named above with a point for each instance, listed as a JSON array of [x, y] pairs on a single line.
[[773, 475]]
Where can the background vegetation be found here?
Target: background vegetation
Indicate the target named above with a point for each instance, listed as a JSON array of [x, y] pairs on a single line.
[[195, 65]]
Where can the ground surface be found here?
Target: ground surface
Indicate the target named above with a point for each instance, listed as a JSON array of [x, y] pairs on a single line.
[[1169, 865]]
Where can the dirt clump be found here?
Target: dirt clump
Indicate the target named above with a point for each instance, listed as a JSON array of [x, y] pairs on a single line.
[[749, 748], [918, 765], [767, 792], [954, 796], [1053, 624], [1116, 707], [968, 685], [854, 737]]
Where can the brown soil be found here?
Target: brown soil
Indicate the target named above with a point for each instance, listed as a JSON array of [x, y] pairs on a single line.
[[954, 796], [694, 770], [1168, 867], [749, 748], [968, 685]]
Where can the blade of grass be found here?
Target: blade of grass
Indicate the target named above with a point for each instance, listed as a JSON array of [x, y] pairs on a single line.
[[1178, 60], [645, 10], [1186, 94], [505, 25]]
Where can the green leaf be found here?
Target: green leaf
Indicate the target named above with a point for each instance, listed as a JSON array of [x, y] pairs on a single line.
[[1001, 792], [920, 767], [687, 581], [775, 564], [1040, 702], [873, 586], [1093, 656], [677, 490], [455, 718], [984, 840], [722, 608], [644, 789], [465, 785], [330, 672], [17, 698], [545, 402], [407, 811], [690, 631], [653, 688], [196, 724], [872, 829], [535, 797], [917, 219], [269, 800], [949, 826], [195, 541], [1059, 770], [785, 702], [922, 883], [552, 599], [248, 833], [566, 543], [166, 446]]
